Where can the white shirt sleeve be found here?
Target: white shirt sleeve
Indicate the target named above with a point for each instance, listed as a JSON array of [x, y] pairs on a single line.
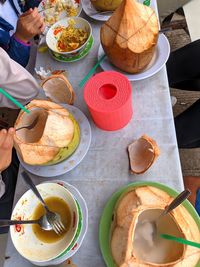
[[17, 81]]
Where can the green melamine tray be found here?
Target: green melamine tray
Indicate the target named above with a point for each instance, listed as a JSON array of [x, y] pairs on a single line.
[[106, 218]]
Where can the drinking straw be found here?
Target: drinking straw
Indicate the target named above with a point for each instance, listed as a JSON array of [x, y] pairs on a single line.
[[13, 100], [180, 240], [84, 80], [147, 2]]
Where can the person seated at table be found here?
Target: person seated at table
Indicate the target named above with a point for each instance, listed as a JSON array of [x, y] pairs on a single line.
[[19, 83], [184, 74], [18, 25]]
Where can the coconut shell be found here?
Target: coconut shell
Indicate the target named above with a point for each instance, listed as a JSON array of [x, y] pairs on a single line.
[[58, 89], [142, 154], [130, 36], [105, 5], [127, 211], [55, 136]]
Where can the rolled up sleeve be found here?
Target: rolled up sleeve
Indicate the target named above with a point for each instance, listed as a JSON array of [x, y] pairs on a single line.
[[17, 81]]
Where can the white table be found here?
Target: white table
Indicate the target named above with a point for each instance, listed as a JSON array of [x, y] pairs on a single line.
[[106, 168]]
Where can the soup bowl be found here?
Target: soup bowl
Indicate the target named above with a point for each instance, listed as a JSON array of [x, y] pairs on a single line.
[[55, 32], [29, 242]]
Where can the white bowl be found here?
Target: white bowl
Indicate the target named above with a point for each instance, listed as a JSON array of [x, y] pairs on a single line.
[[25, 241], [52, 39]]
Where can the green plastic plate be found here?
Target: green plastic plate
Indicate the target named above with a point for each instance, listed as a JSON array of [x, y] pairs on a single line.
[[106, 218]]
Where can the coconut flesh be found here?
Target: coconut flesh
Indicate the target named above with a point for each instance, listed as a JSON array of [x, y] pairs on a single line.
[[130, 35], [54, 138], [132, 243]]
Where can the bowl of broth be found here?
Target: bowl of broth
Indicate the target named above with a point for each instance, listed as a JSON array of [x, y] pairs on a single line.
[[31, 241]]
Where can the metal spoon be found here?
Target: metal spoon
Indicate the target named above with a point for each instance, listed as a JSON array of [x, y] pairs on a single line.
[[42, 222], [29, 127], [175, 203]]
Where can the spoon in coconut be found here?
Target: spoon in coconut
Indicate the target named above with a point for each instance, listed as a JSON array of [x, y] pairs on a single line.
[[29, 127], [174, 204]]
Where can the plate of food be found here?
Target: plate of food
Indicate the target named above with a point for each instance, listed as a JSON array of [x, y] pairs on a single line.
[[57, 143], [102, 10], [124, 242], [55, 10], [81, 231], [139, 52], [70, 38]]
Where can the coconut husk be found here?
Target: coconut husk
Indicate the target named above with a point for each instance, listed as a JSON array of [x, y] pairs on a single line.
[[106, 5], [130, 36], [54, 138], [58, 89], [129, 208], [142, 154]]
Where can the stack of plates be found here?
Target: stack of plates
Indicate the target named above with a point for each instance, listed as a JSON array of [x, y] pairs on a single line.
[[23, 207]]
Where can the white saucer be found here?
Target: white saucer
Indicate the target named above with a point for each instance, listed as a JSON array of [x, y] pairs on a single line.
[[104, 16], [159, 59], [71, 162]]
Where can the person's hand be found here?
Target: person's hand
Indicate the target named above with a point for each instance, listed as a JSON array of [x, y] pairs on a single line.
[[29, 24], [6, 145]]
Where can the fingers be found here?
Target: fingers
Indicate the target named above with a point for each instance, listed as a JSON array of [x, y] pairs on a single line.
[[3, 134], [39, 23], [28, 12], [34, 20], [42, 28], [6, 145], [29, 15], [7, 142], [6, 159]]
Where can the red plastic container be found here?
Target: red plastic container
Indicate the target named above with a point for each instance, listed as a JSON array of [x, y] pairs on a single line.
[[108, 96]]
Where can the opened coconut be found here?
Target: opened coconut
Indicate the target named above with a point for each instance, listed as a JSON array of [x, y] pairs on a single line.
[[142, 154], [58, 89], [130, 36], [54, 138], [105, 5], [132, 243]]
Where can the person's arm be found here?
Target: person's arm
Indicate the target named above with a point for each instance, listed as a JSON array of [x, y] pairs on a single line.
[[17, 46], [17, 81], [16, 49], [6, 145]]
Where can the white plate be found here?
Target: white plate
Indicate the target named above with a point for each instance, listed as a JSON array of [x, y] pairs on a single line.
[[159, 59], [71, 162], [77, 195], [41, 9], [103, 16]]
